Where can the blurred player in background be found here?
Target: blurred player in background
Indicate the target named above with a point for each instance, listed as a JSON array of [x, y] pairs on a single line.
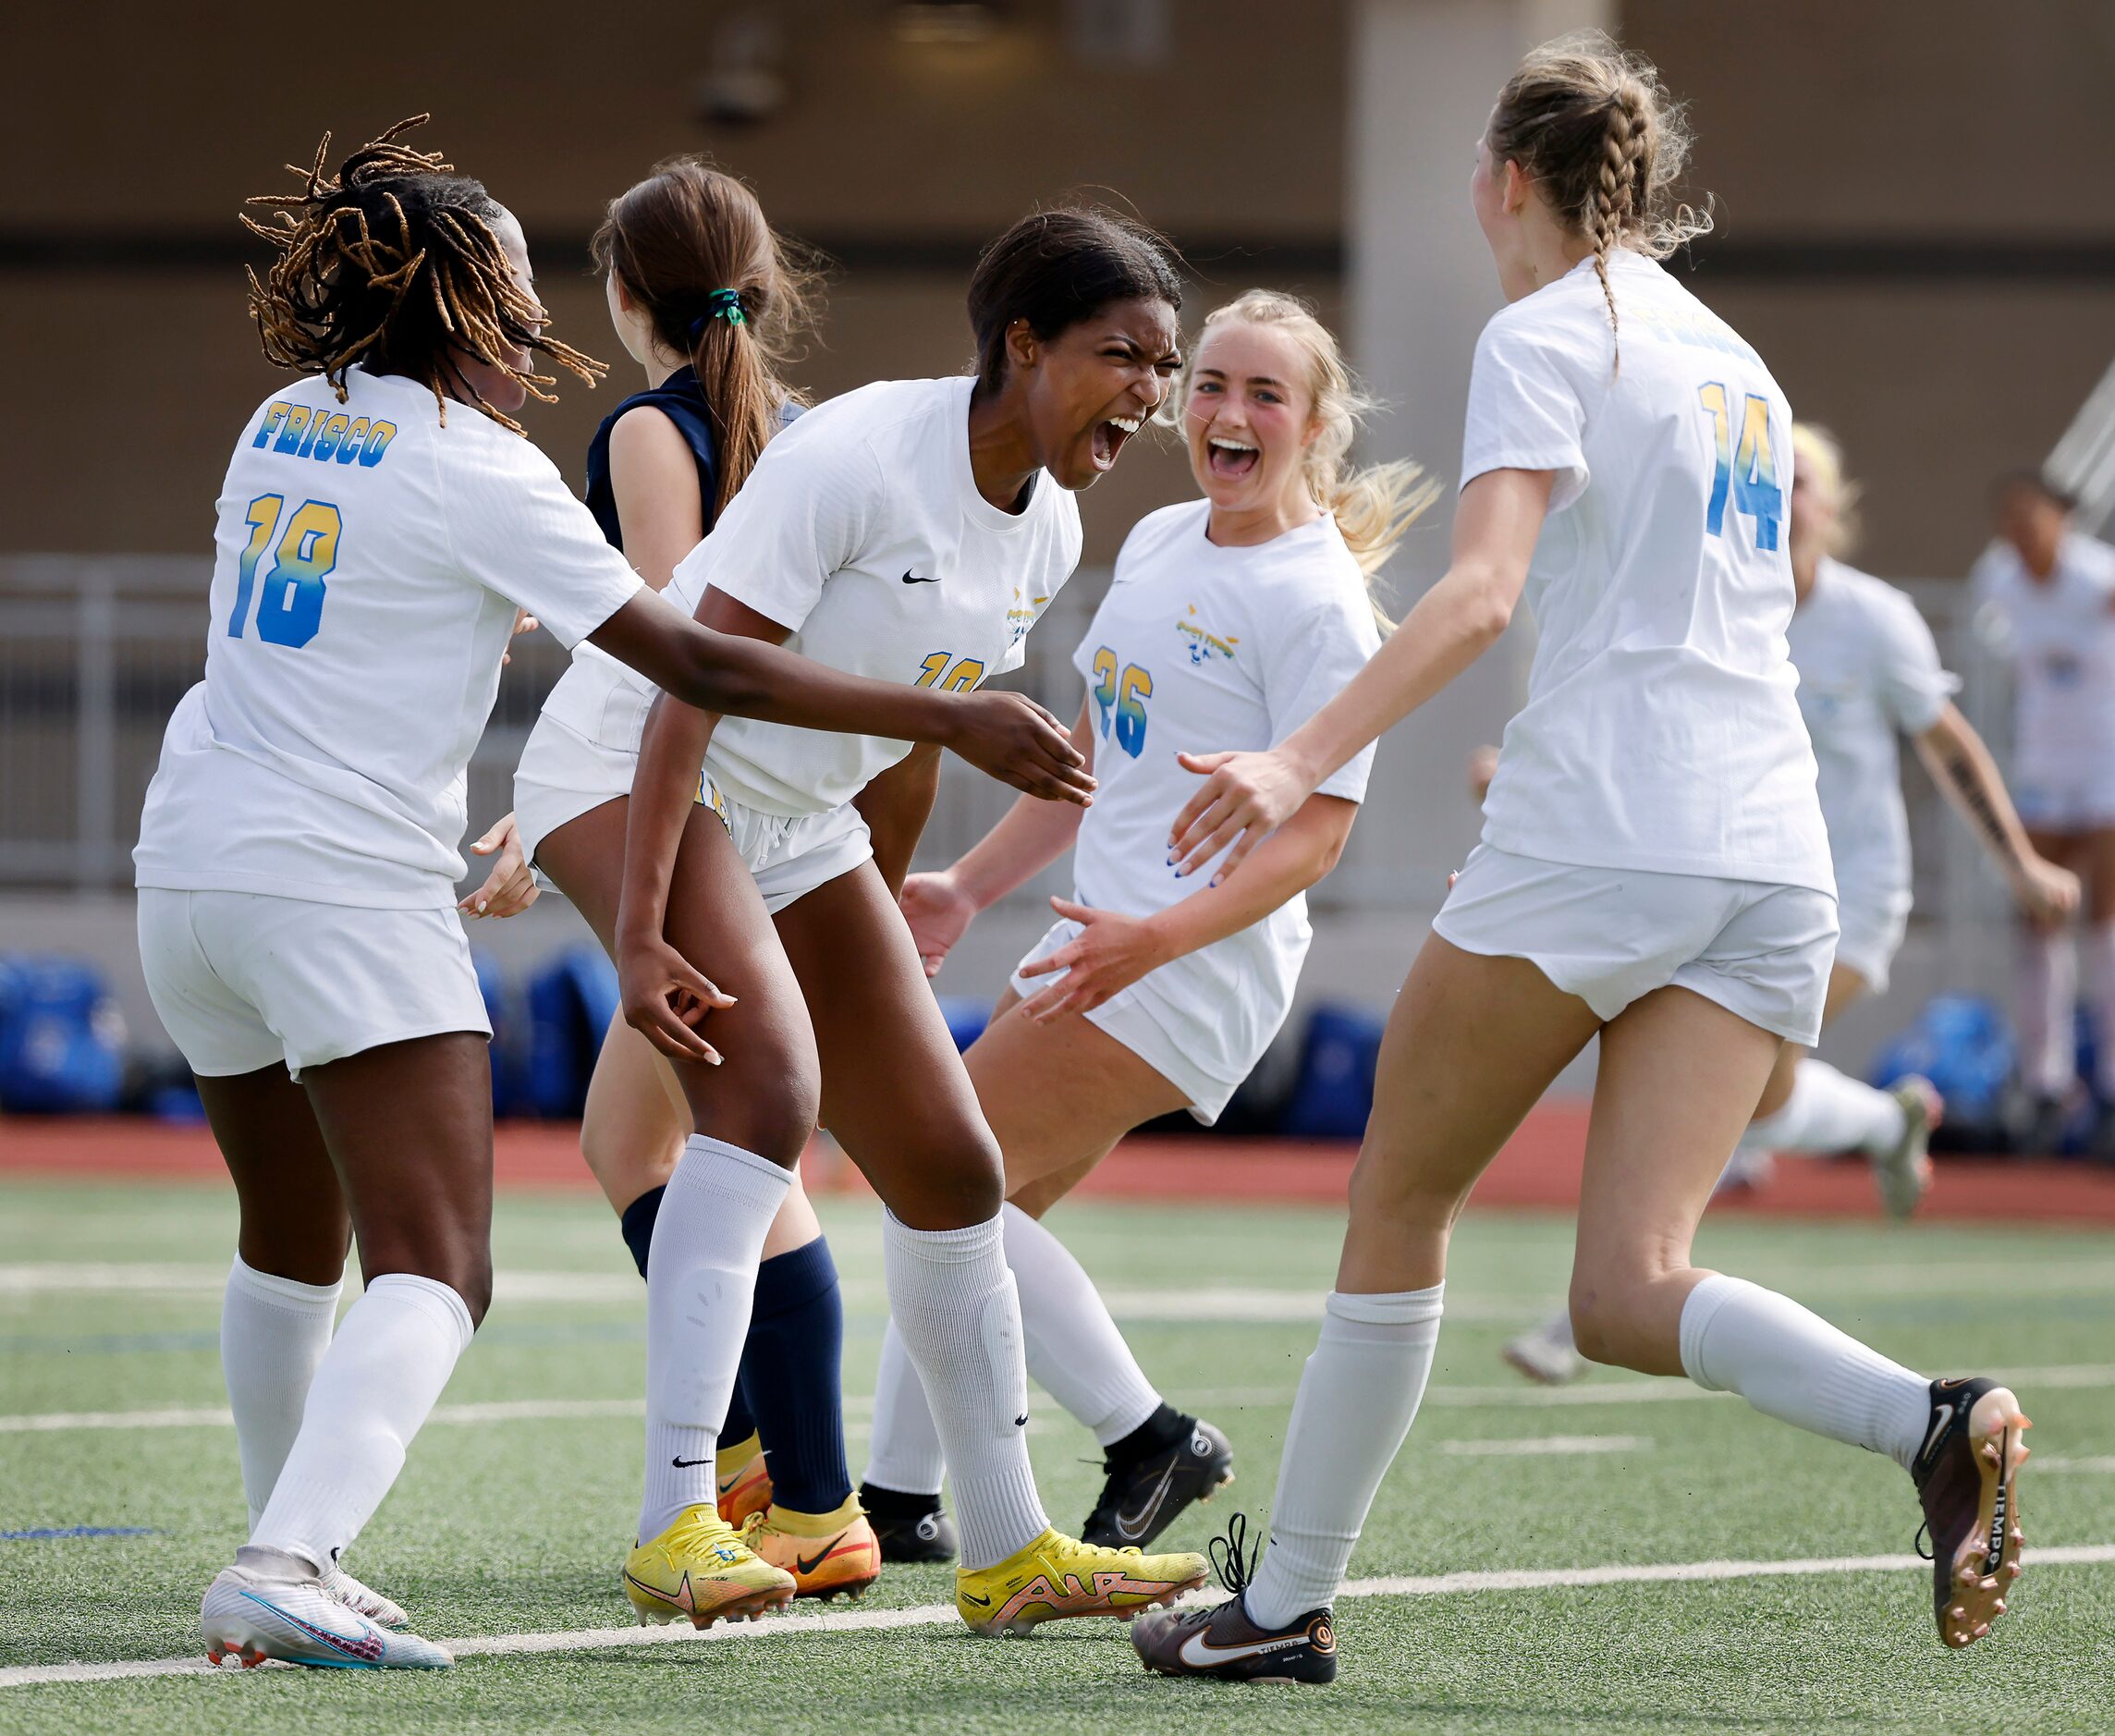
[[915, 530], [1654, 871], [1868, 675], [298, 850], [1231, 618], [709, 302], [2052, 589]]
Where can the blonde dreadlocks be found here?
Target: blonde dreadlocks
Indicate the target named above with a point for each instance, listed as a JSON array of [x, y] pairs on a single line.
[[393, 261]]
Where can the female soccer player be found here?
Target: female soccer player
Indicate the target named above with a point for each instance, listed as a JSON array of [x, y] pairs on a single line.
[[705, 299], [912, 530], [1868, 673], [297, 851], [1231, 619], [1653, 870], [2054, 589]]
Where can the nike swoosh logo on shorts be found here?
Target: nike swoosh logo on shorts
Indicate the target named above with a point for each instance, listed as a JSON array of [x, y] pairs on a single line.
[[912, 579], [1199, 1655]]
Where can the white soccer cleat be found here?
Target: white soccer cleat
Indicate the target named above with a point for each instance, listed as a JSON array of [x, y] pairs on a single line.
[[250, 1618], [1902, 1171], [1545, 1353], [364, 1599]]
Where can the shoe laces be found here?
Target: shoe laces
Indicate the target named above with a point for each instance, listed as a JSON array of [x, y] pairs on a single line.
[[1924, 1531], [1232, 1558]]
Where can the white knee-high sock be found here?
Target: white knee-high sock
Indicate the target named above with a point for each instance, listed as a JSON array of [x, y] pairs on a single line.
[[274, 1332], [701, 1281], [959, 1315], [2099, 948], [385, 1368], [904, 1454], [1737, 1336], [1828, 1112], [1358, 1396], [1075, 1352], [2048, 992]]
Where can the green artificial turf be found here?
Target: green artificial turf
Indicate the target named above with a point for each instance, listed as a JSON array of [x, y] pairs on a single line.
[[108, 1303]]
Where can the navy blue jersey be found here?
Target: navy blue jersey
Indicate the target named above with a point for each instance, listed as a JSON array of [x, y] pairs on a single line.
[[682, 400]]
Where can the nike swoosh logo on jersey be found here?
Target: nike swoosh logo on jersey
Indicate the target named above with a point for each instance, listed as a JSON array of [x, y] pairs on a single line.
[[1135, 1523], [1200, 1655], [912, 579]]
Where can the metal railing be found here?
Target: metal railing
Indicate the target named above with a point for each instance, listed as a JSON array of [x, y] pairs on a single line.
[[95, 651]]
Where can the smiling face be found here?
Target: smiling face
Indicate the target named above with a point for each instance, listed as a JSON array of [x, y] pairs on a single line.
[[1090, 388], [1250, 418]]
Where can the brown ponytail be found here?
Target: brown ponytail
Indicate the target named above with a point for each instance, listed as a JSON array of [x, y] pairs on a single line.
[[1595, 130], [686, 233]]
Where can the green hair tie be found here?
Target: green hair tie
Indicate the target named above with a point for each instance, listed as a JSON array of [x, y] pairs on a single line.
[[722, 304]]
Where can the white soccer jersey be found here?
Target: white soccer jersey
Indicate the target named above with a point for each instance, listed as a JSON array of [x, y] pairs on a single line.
[[1868, 675], [368, 565], [861, 530], [2062, 634], [1200, 648], [1661, 730]]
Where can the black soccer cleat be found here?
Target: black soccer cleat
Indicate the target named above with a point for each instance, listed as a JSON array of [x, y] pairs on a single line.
[[1143, 1496], [1224, 1645], [1965, 1476], [911, 1529]]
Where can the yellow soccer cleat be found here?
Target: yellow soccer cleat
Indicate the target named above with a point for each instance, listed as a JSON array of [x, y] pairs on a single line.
[[698, 1569], [1056, 1578], [742, 1481], [830, 1555]]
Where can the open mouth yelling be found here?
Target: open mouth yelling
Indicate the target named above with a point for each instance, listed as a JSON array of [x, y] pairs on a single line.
[[1230, 459], [1108, 438]]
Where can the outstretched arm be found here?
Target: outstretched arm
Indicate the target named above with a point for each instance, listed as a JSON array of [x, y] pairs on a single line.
[[1961, 765], [1112, 951], [1246, 795]]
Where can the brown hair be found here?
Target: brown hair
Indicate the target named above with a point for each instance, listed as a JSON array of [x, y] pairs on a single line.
[[1374, 505], [677, 241], [1596, 131], [393, 262], [1055, 268]]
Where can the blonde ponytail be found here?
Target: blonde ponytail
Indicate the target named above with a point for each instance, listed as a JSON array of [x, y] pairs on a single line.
[[1374, 506]]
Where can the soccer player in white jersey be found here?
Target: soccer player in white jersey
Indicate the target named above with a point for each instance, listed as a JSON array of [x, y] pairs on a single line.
[[914, 531], [1868, 675], [1231, 618], [297, 852], [2052, 589], [1654, 871]]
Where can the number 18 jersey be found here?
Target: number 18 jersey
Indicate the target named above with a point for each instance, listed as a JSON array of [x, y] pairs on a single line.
[[1662, 728], [368, 563]]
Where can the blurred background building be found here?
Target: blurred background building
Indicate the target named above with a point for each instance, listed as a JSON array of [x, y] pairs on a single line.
[[1915, 225]]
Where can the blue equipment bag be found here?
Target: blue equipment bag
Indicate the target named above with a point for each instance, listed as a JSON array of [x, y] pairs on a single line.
[[62, 1042]]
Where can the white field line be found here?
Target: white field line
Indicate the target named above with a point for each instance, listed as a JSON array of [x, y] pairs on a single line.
[[2093, 1376], [1555, 1446], [1219, 1303], [2103, 1464], [940, 1615]]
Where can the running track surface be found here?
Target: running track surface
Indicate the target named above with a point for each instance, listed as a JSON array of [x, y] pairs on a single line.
[[1538, 1170]]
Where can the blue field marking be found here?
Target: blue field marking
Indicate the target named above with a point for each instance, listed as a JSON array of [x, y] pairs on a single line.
[[48, 1532]]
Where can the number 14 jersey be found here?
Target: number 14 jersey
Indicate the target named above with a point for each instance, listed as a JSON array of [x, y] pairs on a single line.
[[1662, 730]]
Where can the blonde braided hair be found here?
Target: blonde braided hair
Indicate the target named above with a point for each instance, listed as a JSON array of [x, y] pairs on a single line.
[[1593, 127]]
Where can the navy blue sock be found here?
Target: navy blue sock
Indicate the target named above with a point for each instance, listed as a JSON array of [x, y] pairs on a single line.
[[637, 1223], [790, 1378]]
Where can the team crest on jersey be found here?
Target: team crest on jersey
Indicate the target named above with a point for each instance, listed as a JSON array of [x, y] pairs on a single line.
[[1202, 644], [1023, 613]]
